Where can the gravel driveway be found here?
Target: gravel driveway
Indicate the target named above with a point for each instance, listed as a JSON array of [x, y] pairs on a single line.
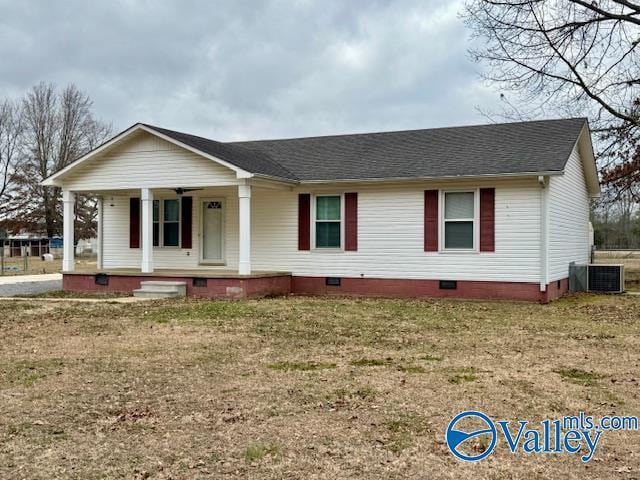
[[29, 284]]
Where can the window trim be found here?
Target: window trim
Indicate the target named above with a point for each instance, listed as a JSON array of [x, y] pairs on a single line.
[[314, 220], [442, 220], [161, 244]]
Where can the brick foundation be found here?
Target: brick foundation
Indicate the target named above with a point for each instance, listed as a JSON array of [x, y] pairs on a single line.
[[429, 288], [557, 289], [253, 287], [231, 288]]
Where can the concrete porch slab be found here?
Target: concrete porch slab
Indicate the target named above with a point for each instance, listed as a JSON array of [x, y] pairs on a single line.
[[177, 273]]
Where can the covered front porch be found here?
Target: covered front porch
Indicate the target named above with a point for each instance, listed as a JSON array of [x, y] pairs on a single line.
[[206, 228], [198, 235], [167, 201], [173, 206]]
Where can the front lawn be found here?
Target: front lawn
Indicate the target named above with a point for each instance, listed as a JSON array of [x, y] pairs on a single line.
[[307, 387]]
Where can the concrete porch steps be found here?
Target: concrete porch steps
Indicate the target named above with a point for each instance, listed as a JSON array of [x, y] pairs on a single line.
[[161, 289]]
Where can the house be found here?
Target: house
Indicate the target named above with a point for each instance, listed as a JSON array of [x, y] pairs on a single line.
[[86, 246], [24, 244], [489, 211]]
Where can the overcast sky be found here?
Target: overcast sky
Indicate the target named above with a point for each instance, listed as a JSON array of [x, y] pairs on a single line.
[[241, 69]]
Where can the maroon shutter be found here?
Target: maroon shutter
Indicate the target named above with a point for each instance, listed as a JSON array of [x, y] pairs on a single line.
[[304, 221], [487, 219], [134, 222], [186, 215], [351, 221], [431, 220]]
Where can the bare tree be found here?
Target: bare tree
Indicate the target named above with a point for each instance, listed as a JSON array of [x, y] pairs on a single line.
[[86, 217], [58, 128], [568, 56], [11, 128]]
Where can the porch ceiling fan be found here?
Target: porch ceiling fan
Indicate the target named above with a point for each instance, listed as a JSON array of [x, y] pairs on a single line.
[[181, 191]]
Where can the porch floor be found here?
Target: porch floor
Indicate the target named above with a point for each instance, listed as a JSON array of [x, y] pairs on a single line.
[[166, 272]]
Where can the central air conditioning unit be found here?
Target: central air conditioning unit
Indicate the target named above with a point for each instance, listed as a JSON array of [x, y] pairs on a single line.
[[596, 277]]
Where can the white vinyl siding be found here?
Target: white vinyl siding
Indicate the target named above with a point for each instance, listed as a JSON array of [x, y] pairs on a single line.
[[116, 251], [391, 241], [568, 219], [146, 161]]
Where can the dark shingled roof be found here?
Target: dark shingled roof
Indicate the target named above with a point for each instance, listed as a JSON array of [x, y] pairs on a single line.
[[507, 148], [254, 161]]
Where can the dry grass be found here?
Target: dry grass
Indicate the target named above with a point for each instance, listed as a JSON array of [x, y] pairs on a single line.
[[305, 387], [35, 265]]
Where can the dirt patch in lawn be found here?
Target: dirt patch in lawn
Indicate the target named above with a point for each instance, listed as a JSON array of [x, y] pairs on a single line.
[[307, 387]]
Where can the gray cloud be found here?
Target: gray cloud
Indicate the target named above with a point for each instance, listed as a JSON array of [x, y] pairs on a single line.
[[250, 69]]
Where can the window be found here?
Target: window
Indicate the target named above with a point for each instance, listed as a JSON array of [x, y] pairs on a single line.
[[156, 223], [459, 220], [171, 224], [166, 223], [328, 221]]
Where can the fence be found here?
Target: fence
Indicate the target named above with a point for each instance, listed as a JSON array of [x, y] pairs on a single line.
[[21, 247], [20, 256], [13, 265]]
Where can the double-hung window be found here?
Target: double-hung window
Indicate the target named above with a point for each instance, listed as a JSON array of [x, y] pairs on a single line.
[[166, 222], [459, 220], [328, 221], [156, 223]]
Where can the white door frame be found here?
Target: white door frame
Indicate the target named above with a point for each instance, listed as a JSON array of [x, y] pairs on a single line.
[[220, 261]]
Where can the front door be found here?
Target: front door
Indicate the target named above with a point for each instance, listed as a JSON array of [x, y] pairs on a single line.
[[212, 230]]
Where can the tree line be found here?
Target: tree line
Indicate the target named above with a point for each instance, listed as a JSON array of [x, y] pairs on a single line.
[[616, 223], [41, 133]]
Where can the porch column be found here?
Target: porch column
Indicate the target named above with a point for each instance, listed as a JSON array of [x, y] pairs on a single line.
[[244, 200], [68, 217], [146, 219]]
